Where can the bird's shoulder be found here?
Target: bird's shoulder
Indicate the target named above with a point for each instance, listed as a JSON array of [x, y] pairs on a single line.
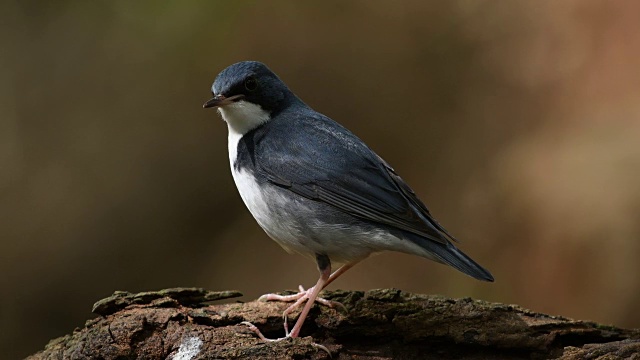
[[308, 140], [315, 130]]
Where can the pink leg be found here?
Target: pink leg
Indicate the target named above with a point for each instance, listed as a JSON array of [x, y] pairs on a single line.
[[310, 295], [339, 272], [324, 265], [324, 277], [303, 295]]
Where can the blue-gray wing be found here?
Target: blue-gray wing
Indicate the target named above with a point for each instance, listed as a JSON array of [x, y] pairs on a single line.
[[323, 161]]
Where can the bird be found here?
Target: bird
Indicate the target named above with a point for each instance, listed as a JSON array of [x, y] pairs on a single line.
[[317, 189]]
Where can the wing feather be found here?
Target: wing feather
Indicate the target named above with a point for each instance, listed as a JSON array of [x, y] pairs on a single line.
[[357, 181]]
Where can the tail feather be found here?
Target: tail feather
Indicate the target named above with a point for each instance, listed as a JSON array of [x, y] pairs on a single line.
[[450, 255]]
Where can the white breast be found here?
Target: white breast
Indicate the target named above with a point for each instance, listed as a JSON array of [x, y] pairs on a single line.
[[267, 205], [242, 117], [253, 197]]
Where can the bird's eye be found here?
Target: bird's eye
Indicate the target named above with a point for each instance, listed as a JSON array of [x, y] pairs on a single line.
[[251, 84]]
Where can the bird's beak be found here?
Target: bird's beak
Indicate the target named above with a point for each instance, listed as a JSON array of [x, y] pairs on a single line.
[[221, 100]]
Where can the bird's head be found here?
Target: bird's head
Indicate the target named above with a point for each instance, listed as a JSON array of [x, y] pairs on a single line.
[[247, 94]]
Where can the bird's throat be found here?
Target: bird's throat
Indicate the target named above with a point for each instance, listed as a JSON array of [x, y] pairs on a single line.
[[241, 117]]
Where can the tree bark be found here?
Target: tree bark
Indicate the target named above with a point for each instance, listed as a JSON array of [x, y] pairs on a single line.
[[377, 324]]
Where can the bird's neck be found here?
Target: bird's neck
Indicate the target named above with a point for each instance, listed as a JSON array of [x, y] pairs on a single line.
[[241, 117]]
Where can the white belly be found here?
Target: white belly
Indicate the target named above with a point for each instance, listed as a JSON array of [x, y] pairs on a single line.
[[296, 224], [273, 212]]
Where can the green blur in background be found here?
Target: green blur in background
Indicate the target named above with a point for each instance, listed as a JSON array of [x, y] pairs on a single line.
[[517, 122]]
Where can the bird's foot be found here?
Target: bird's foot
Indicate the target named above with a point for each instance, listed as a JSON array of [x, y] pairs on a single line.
[[287, 336], [259, 333], [299, 298]]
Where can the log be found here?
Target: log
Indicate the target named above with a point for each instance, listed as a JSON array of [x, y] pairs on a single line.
[[182, 324]]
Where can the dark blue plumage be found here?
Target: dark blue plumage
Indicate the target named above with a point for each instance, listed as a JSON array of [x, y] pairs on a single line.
[[312, 156], [315, 187]]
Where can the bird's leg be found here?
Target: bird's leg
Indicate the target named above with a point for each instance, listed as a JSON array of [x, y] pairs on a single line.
[[339, 272], [324, 266], [303, 295], [311, 294]]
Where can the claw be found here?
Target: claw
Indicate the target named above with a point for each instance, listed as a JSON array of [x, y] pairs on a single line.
[[337, 306], [299, 299], [322, 347], [257, 331], [286, 298]]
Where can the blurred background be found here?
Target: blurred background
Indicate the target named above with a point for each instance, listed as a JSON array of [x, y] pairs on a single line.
[[517, 122]]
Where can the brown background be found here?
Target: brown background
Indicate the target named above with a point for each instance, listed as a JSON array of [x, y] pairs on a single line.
[[517, 122]]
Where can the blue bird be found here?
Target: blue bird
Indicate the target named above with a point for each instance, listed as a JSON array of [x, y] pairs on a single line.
[[317, 189]]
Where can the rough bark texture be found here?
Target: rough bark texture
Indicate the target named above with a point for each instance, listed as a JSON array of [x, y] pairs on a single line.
[[378, 324]]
